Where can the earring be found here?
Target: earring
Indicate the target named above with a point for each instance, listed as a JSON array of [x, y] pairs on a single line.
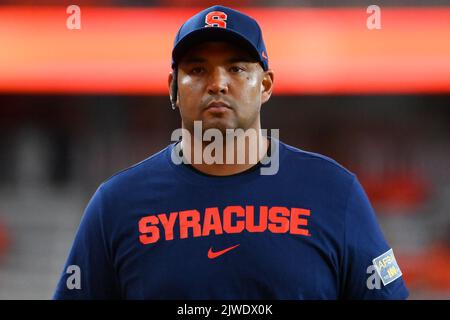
[[174, 106]]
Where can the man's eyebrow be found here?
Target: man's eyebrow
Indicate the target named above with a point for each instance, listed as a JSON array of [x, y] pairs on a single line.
[[241, 59], [193, 59]]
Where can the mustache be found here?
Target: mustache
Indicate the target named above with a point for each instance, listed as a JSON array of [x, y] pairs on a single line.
[[215, 101]]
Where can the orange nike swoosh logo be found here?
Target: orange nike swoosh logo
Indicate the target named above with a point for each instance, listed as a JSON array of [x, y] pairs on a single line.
[[213, 255]]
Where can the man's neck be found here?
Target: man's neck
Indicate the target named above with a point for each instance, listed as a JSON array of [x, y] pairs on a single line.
[[245, 155]]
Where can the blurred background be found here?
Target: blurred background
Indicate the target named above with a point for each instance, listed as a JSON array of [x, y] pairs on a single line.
[[78, 105]]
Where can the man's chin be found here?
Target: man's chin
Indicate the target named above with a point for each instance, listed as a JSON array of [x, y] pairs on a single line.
[[218, 124]]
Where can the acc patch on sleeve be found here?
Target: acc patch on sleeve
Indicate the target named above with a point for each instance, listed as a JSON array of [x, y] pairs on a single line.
[[387, 267]]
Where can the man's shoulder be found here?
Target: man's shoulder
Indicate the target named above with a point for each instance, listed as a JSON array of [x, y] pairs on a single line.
[[315, 162], [141, 171]]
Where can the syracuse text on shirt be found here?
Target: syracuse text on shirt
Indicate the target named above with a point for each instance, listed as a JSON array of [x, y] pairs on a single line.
[[273, 219]]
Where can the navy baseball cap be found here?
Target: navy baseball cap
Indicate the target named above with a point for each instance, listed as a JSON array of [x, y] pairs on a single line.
[[220, 23]]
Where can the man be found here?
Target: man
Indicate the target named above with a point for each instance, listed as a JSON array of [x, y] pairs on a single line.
[[174, 227]]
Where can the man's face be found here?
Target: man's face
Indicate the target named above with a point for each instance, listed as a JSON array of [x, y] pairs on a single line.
[[221, 85]]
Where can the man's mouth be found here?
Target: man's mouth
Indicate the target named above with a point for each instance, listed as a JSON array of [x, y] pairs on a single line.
[[217, 106]]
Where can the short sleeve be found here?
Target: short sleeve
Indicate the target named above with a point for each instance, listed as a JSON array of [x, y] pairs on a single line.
[[364, 242], [88, 272]]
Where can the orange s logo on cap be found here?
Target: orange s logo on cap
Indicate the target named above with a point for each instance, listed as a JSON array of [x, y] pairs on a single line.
[[264, 55], [216, 19]]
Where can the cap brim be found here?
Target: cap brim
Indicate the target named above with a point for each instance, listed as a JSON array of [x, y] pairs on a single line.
[[212, 34]]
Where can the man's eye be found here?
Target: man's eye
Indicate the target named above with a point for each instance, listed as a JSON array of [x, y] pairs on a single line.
[[236, 69], [197, 70]]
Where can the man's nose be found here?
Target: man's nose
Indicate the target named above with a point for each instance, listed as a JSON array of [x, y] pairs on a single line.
[[218, 82]]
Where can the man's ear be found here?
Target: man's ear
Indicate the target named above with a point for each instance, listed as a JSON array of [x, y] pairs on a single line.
[[266, 86], [173, 88], [169, 80]]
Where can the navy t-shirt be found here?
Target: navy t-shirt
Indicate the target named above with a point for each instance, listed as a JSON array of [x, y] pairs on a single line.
[[159, 230]]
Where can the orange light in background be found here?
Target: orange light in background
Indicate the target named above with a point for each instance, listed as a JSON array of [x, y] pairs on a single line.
[[312, 51], [436, 276]]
